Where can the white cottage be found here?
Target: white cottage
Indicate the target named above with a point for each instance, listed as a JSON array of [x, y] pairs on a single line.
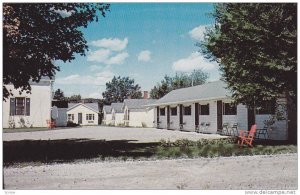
[[59, 113], [117, 114], [137, 114], [107, 116], [207, 107], [83, 113], [28, 110]]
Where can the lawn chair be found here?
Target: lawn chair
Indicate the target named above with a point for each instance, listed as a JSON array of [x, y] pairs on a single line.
[[51, 124], [246, 137], [234, 130], [263, 131], [224, 130]]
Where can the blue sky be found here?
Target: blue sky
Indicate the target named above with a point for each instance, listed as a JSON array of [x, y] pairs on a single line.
[[144, 41]]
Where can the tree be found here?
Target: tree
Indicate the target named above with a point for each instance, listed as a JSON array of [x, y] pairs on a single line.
[[74, 98], [256, 47], [120, 88], [37, 34], [197, 77], [59, 95]]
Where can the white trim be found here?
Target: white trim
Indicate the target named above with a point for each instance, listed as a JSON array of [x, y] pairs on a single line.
[[82, 105], [189, 101]]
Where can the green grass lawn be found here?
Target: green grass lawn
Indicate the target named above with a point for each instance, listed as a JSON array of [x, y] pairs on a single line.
[[34, 152], [217, 148]]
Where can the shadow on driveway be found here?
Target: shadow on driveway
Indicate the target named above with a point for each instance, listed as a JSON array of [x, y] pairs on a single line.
[[68, 150]]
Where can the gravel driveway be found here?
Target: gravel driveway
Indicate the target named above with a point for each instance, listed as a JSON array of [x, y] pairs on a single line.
[[109, 133], [244, 172]]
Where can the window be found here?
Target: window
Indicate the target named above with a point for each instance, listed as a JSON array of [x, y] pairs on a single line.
[[174, 111], [187, 110], [229, 109], [162, 111], [70, 117], [268, 107], [20, 106], [90, 117], [204, 109]]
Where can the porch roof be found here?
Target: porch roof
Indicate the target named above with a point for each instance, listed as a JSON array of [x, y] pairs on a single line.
[[208, 91]]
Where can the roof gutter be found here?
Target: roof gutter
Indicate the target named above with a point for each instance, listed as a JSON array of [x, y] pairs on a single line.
[[188, 101]]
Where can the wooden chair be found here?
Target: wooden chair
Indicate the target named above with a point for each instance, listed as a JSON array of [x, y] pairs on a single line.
[[51, 124], [246, 137]]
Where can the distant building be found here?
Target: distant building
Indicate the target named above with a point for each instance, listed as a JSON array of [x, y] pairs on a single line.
[[117, 114], [137, 114], [207, 107], [107, 116], [28, 109], [59, 113], [83, 114]]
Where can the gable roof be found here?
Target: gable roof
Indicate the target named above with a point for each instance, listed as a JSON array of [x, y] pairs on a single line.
[[207, 91], [118, 107], [91, 106], [107, 109], [138, 104]]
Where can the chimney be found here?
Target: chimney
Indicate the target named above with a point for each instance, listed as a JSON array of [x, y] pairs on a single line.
[[146, 95]]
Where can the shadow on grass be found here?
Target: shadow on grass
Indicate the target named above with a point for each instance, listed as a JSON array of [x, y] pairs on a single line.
[[68, 150]]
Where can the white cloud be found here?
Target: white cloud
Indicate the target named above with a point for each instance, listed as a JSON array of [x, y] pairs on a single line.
[[193, 62], [97, 68], [117, 59], [111, 44], [198, 32], [95, 95], [99, 78], [100, 55], [64, 13], [105, 56], [144, 56]]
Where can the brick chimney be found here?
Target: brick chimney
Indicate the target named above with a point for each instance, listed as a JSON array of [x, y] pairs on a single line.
[[146, 95]]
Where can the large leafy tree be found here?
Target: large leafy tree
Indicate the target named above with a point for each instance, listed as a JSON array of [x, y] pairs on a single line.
[[182, 80], [120, 88], [59, 95], [37, 34], [256, 46]]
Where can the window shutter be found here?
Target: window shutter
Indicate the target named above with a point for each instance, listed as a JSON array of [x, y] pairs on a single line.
[[27, 106], [12, 107]]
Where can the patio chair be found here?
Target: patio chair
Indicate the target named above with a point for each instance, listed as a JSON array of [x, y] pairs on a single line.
[[202, 126], [246, 137], [234, 130], [224, 130], [263, 131], [50, 123], [207, 126]]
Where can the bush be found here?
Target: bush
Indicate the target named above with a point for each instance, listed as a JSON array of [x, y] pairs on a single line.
[[144, 124], [71, 124]]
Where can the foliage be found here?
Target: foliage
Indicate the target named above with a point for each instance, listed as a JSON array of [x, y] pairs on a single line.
[[215, 148], [74, 98], [59, 95], [256, 46], [120, 88], [72, 124], [37, 34], [197, 77]]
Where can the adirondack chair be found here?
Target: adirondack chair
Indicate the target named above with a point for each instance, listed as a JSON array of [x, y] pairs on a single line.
[[247, 137], [51, 124]]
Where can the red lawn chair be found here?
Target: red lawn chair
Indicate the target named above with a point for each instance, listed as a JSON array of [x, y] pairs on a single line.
[[246, 137], [51, 124]]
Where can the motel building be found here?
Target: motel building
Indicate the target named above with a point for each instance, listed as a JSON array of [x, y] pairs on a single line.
[[206, 108]]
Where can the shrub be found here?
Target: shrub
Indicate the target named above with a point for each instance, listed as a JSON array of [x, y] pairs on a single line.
[[71, 124], [144, 124]]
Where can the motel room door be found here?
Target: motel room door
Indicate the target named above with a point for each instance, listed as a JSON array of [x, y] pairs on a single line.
[[219, 114], [79, 118]]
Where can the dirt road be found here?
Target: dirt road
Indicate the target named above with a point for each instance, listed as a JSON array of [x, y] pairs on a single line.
[[244, 172]]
